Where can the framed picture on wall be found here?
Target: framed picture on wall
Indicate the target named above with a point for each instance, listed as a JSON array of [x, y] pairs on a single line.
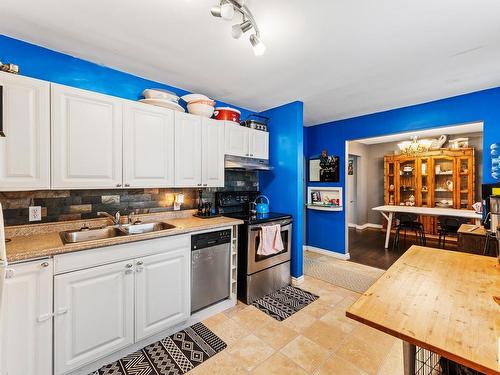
[[324, 169], [350, 167]]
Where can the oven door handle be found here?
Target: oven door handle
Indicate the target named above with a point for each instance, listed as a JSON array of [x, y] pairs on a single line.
[[285, 226]]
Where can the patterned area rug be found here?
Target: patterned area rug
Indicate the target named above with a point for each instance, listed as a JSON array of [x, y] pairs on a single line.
[[174, 355], [347, 275], [284, 302]]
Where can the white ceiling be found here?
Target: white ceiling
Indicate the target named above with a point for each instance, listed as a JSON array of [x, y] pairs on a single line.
[[475, 127], [343, 58]]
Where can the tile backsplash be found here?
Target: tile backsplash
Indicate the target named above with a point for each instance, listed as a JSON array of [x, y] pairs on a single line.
[[61, 205]]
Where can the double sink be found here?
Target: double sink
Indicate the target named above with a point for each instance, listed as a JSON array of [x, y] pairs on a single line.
[[87, 234]]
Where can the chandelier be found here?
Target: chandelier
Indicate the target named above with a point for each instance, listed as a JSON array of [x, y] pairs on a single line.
[[226, 10]]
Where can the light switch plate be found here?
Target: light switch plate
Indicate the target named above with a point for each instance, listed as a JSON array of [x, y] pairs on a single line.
[[35, 213]]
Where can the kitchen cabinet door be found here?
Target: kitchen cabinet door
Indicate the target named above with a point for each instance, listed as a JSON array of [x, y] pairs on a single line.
[[212, 169], [94, 314], [26, 319], [148, 146], [259, 144], [25, 150], [86, 139], [187, 150], [162, 292], [236, 139]]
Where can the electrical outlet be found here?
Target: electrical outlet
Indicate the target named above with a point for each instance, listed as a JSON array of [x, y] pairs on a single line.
[[35, 213]]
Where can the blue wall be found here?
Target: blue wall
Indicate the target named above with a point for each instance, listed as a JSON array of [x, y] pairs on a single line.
[[327, 229], [284, 184], [42, 63]]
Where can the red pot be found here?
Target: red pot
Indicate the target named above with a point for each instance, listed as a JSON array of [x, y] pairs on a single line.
[[227, 113]]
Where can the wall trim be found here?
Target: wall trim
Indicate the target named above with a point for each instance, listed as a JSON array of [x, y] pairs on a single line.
[[365, 226], [326, 252], [296, 281]]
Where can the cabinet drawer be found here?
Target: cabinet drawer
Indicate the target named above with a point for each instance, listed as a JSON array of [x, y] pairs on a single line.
[[110, 254]]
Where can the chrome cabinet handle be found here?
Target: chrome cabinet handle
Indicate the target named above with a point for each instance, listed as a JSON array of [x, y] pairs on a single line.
[[118, 185], [205, 184], [129, 265], [44, 264], [44, 317], [140, 263], [199, 184], [127, 185]]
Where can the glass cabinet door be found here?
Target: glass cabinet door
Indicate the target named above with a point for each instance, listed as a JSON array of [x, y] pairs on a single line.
[[424, 179], [444, 189], [389, 183], [465, 182], [407, 182]]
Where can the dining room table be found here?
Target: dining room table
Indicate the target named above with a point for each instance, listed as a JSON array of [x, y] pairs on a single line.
[[388, 212], [444, 302]]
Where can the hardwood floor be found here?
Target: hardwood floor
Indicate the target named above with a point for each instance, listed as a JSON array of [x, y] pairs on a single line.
[[367, 247]]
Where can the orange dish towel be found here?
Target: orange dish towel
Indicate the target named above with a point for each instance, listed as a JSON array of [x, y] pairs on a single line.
[[270, 240]]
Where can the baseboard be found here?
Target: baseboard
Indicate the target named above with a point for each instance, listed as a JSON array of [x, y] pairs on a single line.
[[364, 226], [326, 252], [296, 281]]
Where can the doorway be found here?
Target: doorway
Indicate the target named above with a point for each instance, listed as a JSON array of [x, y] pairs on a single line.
[[352, 187]]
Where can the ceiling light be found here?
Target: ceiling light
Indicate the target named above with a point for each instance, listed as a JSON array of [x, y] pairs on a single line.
[[258, 47], [227, 11], [216, 11], [239, 29]]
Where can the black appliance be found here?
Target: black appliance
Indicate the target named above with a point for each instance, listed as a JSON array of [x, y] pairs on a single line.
[[257, 275], [487, 192]]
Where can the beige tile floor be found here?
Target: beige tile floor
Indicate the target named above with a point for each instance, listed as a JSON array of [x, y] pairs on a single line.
[[317, 340]]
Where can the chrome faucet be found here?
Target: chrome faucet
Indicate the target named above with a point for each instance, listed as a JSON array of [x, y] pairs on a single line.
[[115, 219]]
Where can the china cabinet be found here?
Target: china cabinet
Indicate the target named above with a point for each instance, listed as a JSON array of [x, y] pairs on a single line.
[[440, 178]]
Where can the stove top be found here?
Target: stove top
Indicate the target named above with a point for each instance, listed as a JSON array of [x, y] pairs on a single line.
[[258, 218]]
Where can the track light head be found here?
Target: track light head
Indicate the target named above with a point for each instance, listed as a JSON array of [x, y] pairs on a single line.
[[227, 11], [216, 11], [258, 47], [239, 29]]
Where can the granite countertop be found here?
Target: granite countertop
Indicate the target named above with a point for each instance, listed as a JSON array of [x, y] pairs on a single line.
[[39, 241]]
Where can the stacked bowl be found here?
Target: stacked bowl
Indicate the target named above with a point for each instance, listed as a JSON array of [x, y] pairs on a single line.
[[162, 98], [198, 104]]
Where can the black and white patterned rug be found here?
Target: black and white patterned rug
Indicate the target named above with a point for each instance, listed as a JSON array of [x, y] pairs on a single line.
[[174, 355], [284, 302]]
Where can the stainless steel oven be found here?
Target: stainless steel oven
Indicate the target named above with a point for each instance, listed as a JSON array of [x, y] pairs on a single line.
[[258, 262]]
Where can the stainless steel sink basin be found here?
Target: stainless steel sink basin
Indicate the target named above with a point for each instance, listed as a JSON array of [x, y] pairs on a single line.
[[83, 235], [145, 227]]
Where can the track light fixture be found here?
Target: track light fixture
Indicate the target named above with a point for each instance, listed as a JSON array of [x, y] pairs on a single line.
[[226, 10]]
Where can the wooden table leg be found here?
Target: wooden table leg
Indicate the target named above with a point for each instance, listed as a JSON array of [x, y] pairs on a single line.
[[389, 226], [409, 351]]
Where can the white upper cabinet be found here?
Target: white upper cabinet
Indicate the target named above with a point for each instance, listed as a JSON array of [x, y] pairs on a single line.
[[162, 292], [25, 151], [148, 146], [258, 144], [212, 170], [94, 314], [26, 319], [246, 142], [237, 138], [187, 150], [86, 139]]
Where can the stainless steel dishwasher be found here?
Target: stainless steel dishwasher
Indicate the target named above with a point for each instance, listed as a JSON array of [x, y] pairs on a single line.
[[210, 268]]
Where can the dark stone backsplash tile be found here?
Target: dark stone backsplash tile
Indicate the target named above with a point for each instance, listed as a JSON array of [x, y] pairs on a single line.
[[60, 205]]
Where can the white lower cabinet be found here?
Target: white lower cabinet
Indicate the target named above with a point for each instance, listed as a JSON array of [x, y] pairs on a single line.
[[94, 314], [26, 319], [100, 310], [162, 292]]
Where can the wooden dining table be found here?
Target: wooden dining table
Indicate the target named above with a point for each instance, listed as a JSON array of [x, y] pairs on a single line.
[[388, 212], [443, 301]]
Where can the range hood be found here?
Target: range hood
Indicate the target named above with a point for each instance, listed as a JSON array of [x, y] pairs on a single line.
[[247, 164]]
